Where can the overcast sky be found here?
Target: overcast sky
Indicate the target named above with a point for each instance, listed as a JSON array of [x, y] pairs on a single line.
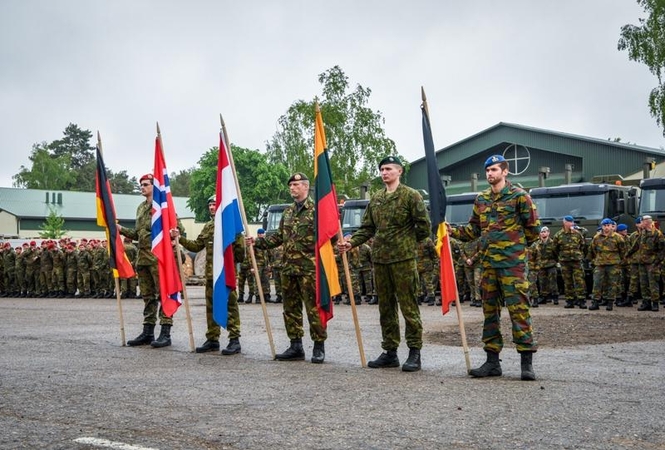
[[120, 66]]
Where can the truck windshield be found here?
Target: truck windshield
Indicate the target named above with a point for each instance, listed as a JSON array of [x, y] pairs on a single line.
[[274, 218], [652, 201], [352, 217], [458, 213], [579, 206]]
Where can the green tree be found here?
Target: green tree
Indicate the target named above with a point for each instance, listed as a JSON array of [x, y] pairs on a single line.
[[261, 183], [180, 182], [52, 228], [121, 183], [645, 43], [354, 133], [47, 171]]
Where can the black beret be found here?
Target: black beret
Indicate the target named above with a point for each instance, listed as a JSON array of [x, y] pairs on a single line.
[[391, 160], [298, 176]]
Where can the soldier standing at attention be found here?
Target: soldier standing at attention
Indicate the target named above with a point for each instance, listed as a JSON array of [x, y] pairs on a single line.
[[427, 261], [205, 241], [606, 252], [277, 272], [547, 274], [397, 219], [71, 263], [263, 263], [651, 245], [146, 268], [506, 218], [296, 236], [128, 285], [569, 248], [20, 269]]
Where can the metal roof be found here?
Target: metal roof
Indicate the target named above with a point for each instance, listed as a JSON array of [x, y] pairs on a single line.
[[70, 205]]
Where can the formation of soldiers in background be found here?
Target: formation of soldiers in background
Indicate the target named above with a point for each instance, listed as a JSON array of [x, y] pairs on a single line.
[[626, 268]]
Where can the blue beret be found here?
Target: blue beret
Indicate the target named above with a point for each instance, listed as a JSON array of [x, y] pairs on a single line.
[[638, 219], [606, 222], [622, 227], [390, 160], [260, 231], [569, 219], [494, 159]]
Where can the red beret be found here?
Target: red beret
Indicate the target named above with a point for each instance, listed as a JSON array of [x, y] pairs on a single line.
[[147, 176]]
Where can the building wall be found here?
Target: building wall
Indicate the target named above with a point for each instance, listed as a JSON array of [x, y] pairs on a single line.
[[8, 225]]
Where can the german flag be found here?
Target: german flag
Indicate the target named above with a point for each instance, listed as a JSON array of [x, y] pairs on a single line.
[[120, 264], [326, 225]]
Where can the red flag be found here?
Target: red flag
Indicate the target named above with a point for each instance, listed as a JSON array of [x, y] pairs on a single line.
[[163, 220], [120, 264]]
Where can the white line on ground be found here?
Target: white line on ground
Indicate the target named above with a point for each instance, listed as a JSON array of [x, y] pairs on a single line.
[[96, 442]]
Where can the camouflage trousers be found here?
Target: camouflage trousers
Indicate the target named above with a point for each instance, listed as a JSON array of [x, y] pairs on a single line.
[[264, 279], [30, 280], [633, 280], [149, 286], [649, 277], [277, 278], [46, 280], [71, 281], [245, 276], [83, 281], [547, 281], [460, 276], [606, 282], [20, 280], [573, 280], [472, 278], [233, 323], [58, 279], [428, 280], [300, 290], [128, 285], [367, 280], [506, 287], [532, 276], [10, 281], [397, 287]]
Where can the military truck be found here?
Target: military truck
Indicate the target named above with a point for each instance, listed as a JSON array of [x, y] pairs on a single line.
[[460, 207], [652, 200], [272, 216]]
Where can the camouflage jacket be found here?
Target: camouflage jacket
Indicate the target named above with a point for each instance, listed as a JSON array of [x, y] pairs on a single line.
[[506, 222], [607, 250], [296, 236], [9, 260], [71, 260], [651, 245], [470, 250], [397, 221], [45, 260], [634, 257], [568, 246], [365, 257], [84, 260], [426, 256], [131, 251], [205, 241], [143, 234], [546, 256], [58, 257], [533, 256]]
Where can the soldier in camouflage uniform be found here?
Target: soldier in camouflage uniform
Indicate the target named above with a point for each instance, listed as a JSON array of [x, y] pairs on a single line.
[[353, 258], [460, 276], [3, 293], [71, 268], [547, 275], [397, 219], [9, 259], [148, 274], [128, 285], [633, 268], [606, 251], [569, 248], [427, 262], [622, 293], [58, 277], [296, 235], [246, 276], [205, 241], [470, 255], [533, 267], [46, 270], [31, 269], [263, 259], [20, 269], [83, 265], [651, 245], [367, 274], [277, 255], [505, 219]]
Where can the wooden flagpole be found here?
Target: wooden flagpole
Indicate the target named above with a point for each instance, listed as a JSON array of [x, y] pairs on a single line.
[[176, 255], [117, 282], [448, 254], [252, 256]]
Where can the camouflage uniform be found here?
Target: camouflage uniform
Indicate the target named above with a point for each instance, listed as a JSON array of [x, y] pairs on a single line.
[[353, 258], [46, 273], [277, 255], [9, 260], [128, 285], [263, 258], [101, 270], [146, 266], [397, 221], [651, 245], [20, 272], [506, 222], [246, 276], [31, 270], [296, 235], [633, 268], [569, 248], [533, 268], [606, 253], [367, 272], [471, 251], [547, 275], [2, 271], [58, 257], [83, 267], [460, 275], [71, 267], [205, 241], [427, 262]]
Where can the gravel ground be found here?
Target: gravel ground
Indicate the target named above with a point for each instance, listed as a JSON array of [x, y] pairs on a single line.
[[66, 382]]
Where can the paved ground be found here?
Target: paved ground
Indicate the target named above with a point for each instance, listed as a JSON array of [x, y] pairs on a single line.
[[67, 383]]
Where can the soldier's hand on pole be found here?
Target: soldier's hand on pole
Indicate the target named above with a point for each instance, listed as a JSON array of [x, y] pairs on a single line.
[[175, 233], [343, 246], [249, 240]]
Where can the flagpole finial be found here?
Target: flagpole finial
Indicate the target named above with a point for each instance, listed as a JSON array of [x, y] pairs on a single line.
[[424, 103], [221, 120], [158, 131], [422, 94]]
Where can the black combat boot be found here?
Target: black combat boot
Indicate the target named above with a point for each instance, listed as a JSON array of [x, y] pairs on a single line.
[[278, 299], [145, 337], [164, 339], [208, 346], [582, 303], [249, 299], [257, 298], [628, 303], [569, 304], [555, 299], [534, 303], [527, 367], [431, 301], [295, 352], [386, 359], [654, 306], [645, 306], [336, 299], [610, 305], [594, 305], [412, 364], [233, 347], [358, 299], [420, 299], [491, 367], [374, 300], [319, 353]]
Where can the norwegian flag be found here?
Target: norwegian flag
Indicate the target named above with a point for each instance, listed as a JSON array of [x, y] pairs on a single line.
[[164, 220]]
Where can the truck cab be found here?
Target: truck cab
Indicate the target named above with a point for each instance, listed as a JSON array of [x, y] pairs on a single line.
[[652, 200], [273, 216], [460, 207]]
